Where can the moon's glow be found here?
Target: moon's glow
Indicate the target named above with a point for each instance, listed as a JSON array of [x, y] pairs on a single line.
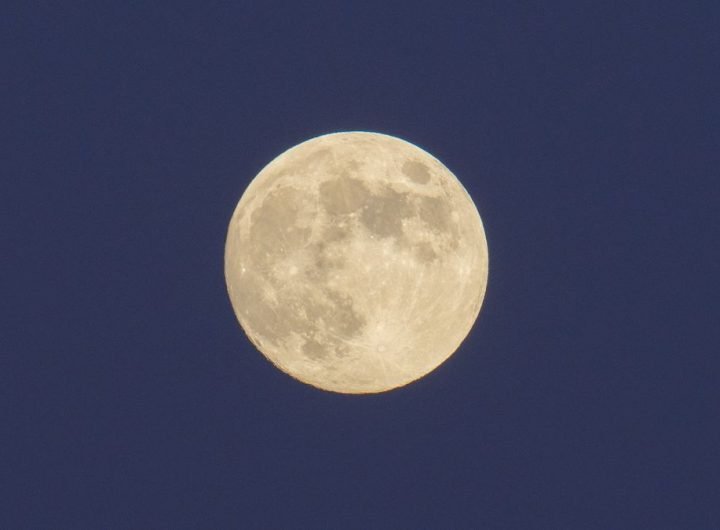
[[356, 262]]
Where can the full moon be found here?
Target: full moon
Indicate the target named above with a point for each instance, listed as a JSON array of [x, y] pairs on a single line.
[[356, 262]]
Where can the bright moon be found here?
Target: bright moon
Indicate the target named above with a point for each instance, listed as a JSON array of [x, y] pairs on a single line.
[[356, 262]]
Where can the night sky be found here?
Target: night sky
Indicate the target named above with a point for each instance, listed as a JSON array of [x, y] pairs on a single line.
[[587, 394]]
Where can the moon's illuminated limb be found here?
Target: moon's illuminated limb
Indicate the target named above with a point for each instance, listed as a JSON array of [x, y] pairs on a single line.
[[356, 262]]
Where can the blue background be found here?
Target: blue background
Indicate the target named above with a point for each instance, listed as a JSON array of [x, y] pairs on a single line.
[[586, 395]]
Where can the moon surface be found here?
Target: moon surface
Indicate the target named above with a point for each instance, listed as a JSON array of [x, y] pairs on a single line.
[[356, 262]]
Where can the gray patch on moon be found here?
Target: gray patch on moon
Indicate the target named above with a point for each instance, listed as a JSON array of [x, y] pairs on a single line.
[[332, 321], [384, 214], [435, 212], [416, 171], [424, 252], [274, 226], [343, 195], [336, 232], [344, 320], [314, 349], [300, 311], [321, 262]]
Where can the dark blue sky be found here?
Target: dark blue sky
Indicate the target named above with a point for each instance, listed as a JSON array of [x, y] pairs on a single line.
[[586, 396]]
